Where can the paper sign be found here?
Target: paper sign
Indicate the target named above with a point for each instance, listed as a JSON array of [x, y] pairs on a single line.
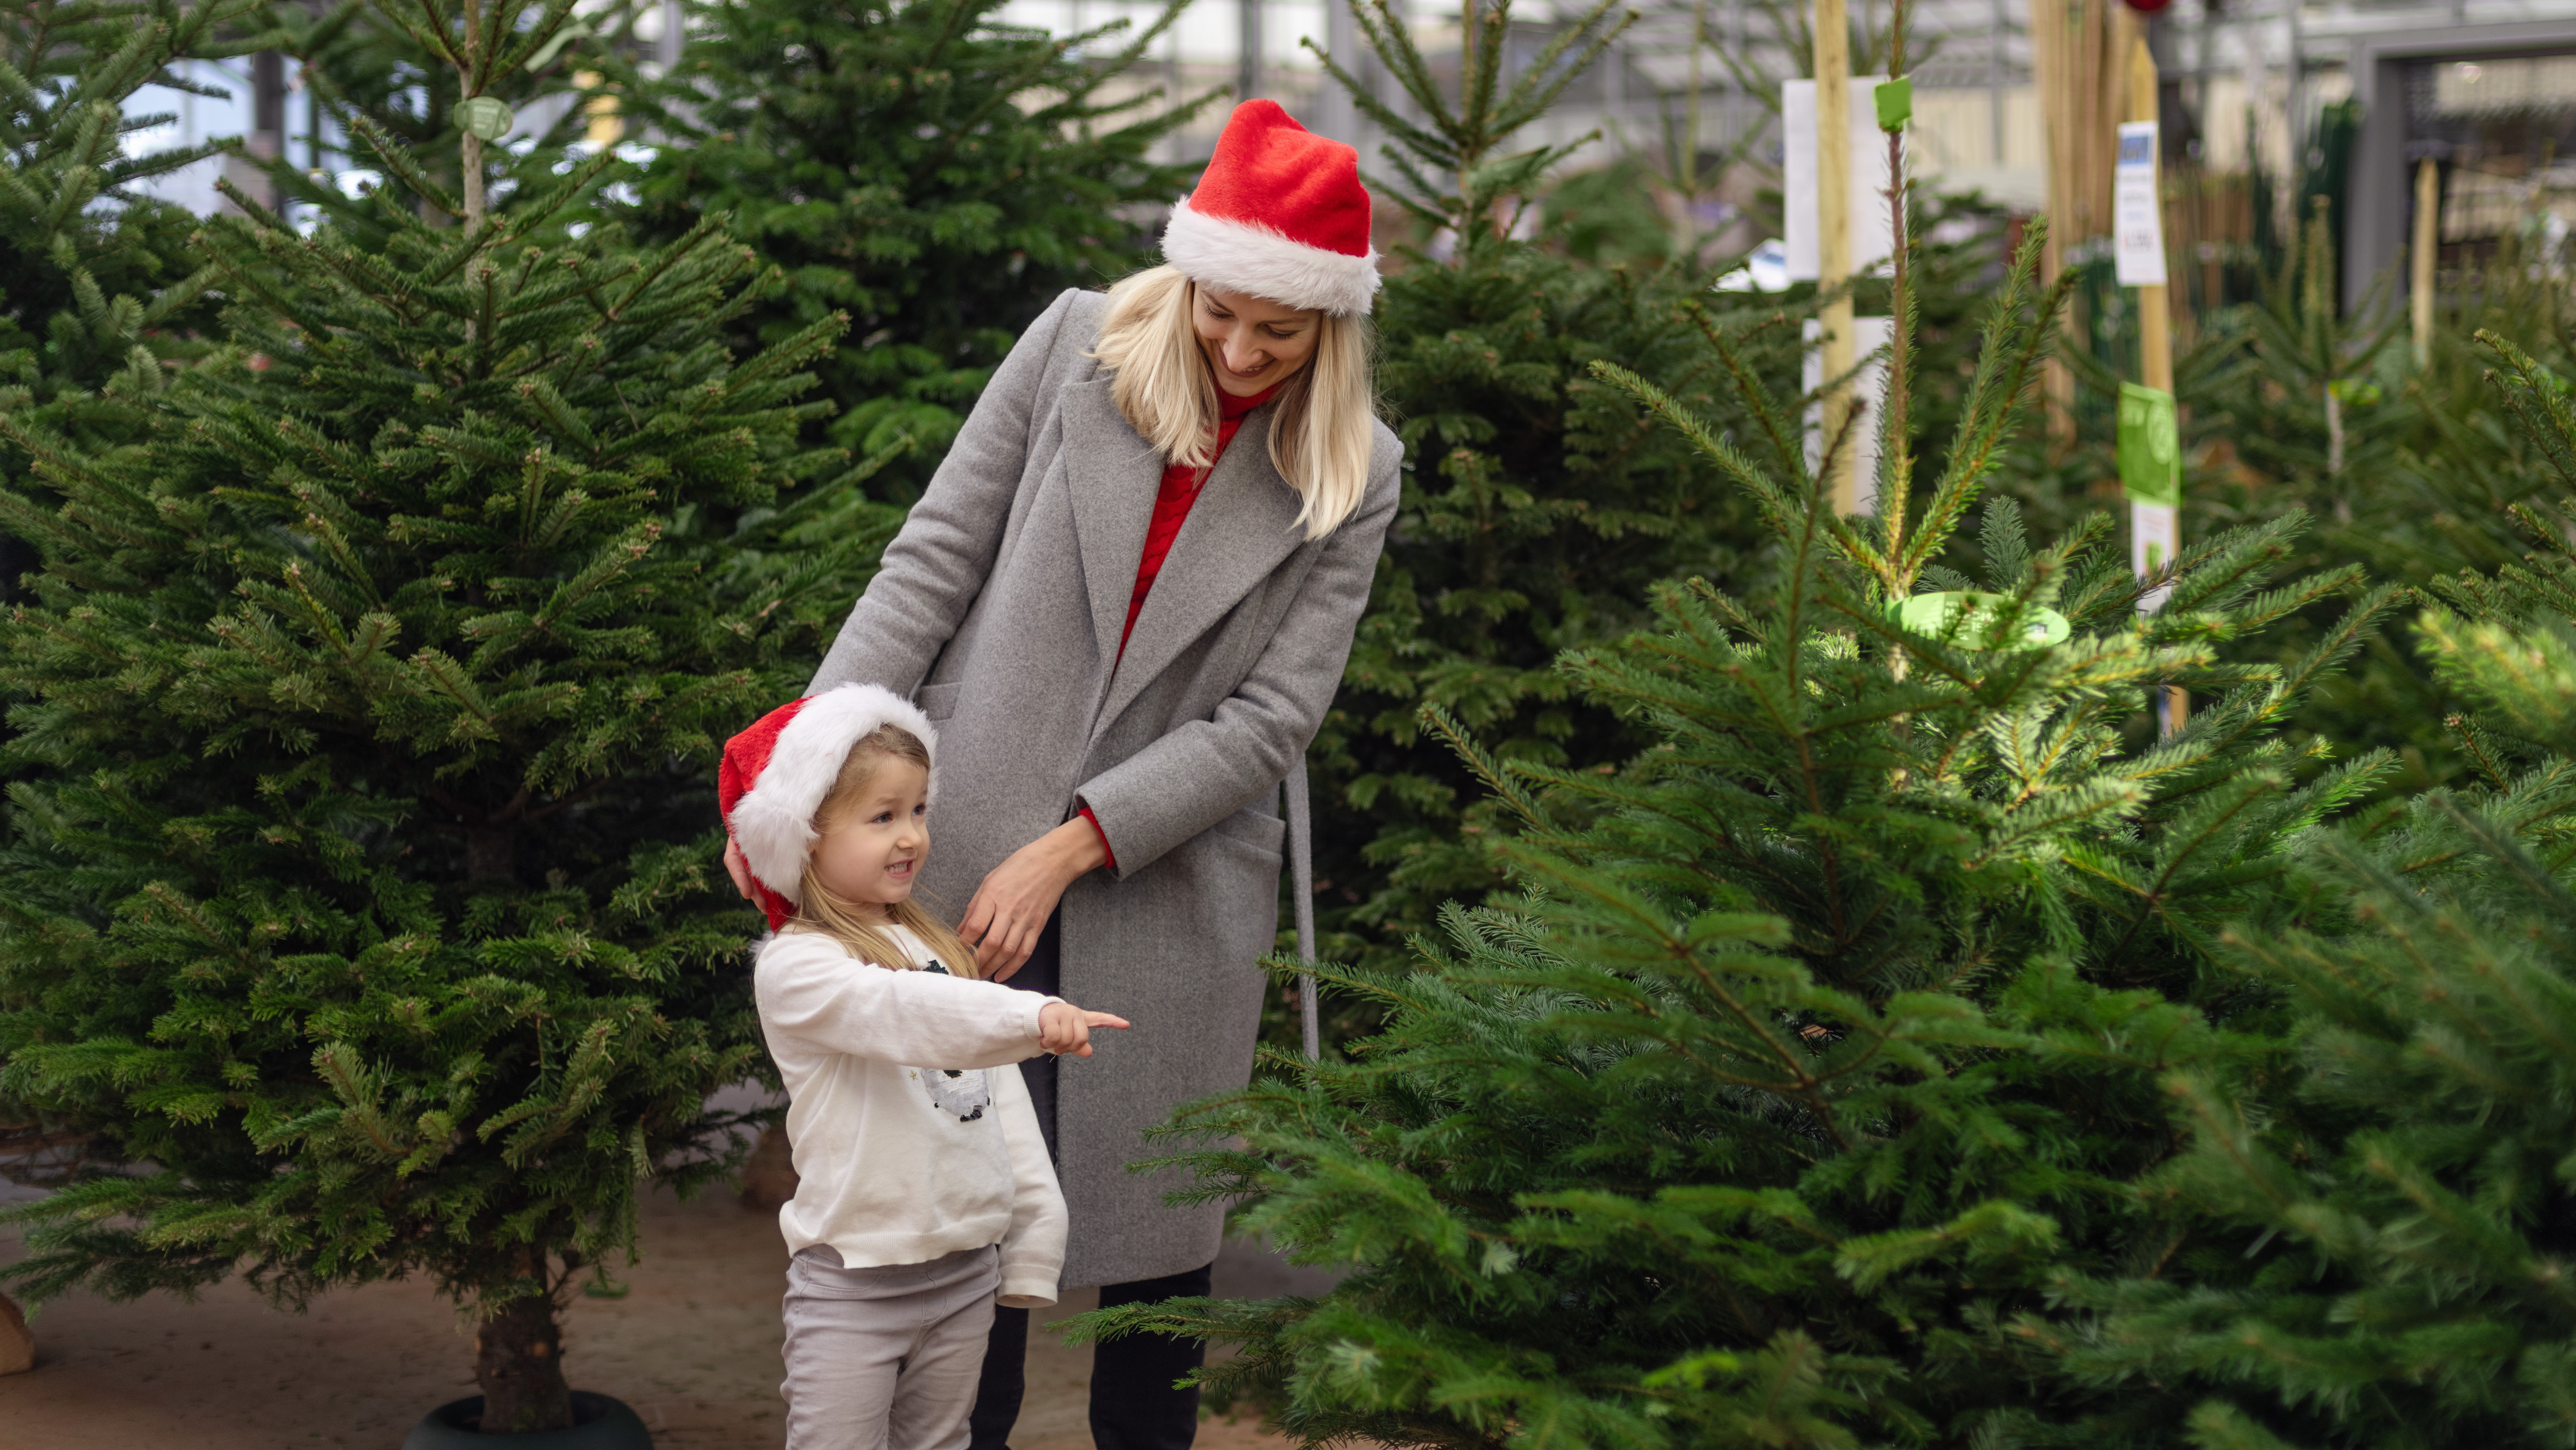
[[2150, 447], [1872, 228], [2137, 213], [2155, 536], [2150, 451], [1869, 389]]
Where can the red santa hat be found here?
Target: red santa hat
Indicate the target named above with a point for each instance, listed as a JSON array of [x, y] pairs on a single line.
[[1279, 213], [775, 775]]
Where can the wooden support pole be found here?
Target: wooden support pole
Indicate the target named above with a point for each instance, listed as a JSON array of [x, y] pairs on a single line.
[[2155, 352], [1833, 237], [2155, 309], [2420, 257], [2048, 67]]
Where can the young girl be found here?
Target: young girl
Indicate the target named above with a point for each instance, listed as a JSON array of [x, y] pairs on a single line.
[[924, 1191]]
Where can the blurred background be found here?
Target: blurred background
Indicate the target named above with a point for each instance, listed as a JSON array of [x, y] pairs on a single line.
[[2261, 106]]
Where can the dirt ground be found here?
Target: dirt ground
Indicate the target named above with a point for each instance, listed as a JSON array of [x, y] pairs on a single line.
[[693, 1347]]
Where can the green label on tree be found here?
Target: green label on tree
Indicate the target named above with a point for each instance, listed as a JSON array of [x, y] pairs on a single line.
[[484, 116], [2150, 447], [1961, 608], [1895, 103]]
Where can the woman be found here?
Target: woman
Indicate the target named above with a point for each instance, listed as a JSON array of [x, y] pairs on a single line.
[[1125, 600]]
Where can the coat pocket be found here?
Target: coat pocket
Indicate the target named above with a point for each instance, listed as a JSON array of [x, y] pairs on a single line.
[[1258, 829], [940, 701]]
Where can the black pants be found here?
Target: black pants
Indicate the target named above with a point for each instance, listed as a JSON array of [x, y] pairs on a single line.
[[1133, 1404]]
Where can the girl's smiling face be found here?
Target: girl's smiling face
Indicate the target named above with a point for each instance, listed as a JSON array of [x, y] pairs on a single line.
[[872, 849], [1251, 343]]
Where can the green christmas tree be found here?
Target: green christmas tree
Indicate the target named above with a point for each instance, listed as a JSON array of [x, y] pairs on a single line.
[[2377, 1197], [1541, 503], [1823, 1042], [359, 893], [97, 290], [887, 158], [385, 77]]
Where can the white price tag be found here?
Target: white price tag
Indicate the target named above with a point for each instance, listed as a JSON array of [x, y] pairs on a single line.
[[2155, 538], [2137, 213]]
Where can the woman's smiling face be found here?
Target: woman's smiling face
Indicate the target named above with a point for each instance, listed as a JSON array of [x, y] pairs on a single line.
[[1251, 343], [872, 853]]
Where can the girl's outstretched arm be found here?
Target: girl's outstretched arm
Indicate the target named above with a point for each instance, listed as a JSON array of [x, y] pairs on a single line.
[[811, 989]]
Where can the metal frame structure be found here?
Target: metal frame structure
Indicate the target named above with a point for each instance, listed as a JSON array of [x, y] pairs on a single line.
[[2381, 188]]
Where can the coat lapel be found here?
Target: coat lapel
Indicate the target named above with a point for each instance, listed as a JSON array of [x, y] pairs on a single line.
[[1239, 529], [1114, 476]]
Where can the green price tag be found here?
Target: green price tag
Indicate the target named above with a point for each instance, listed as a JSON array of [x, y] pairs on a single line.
[[1935, 613], [1895, 103], [2150, 447], [485, 116]]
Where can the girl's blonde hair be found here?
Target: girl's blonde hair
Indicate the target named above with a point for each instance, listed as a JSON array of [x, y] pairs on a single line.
[[858, 927], [1320, 437]]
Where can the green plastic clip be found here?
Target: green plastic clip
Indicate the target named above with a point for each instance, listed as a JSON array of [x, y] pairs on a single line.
[[487, 117], [1895, 103]]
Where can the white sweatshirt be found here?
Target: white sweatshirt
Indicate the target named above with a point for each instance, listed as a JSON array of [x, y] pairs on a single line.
[[898, 1163]]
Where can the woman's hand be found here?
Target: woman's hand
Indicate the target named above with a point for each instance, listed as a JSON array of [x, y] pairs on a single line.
[[739, 868], [1011, 908], [1065, 1029]]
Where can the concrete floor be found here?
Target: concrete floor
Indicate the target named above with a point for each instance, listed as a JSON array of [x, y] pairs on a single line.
[[693, 1347]]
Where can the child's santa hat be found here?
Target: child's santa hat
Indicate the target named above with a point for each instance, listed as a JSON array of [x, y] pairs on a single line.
[[775, 775], [1279, 213]]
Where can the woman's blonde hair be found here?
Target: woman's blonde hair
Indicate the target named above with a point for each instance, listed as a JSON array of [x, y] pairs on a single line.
[[1320, 437], [861, 928]]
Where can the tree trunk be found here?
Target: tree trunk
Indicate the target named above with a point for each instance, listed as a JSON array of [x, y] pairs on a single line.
[[518, 1360], [473, 178]]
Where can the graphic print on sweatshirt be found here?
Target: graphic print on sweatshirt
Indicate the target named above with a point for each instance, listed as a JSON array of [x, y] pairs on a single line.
[[967, 1094]]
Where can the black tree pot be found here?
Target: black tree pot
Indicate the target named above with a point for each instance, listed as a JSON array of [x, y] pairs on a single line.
[[598, 1423]]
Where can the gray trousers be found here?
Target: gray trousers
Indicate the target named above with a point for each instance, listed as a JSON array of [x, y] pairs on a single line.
[[885, 1358]]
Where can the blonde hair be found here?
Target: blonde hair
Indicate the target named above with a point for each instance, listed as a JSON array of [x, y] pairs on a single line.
[[1320, 437], [863, 928]]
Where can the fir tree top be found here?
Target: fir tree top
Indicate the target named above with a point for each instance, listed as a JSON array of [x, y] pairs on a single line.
[[930, 169], [94, 277]]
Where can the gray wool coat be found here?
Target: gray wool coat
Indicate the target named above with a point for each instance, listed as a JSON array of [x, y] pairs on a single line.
[[998, 609]]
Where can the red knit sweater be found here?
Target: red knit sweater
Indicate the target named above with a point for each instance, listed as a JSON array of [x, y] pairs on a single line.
[[1181, 485]]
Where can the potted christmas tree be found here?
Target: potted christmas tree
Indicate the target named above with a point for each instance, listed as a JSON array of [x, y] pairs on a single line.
[[364, 712]]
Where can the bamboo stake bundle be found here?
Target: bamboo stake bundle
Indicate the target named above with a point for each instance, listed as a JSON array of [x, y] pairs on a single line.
[[2080, 66], [1833, 240]]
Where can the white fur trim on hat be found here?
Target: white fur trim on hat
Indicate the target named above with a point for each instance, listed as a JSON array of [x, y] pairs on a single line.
[[774, 820], [1249, 257]]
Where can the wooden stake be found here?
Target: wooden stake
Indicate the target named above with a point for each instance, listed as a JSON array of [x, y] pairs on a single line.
[[470, 156], [2155, 346], [2420, 258], [2048, 57], [1688, 169], [1833, 237]]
